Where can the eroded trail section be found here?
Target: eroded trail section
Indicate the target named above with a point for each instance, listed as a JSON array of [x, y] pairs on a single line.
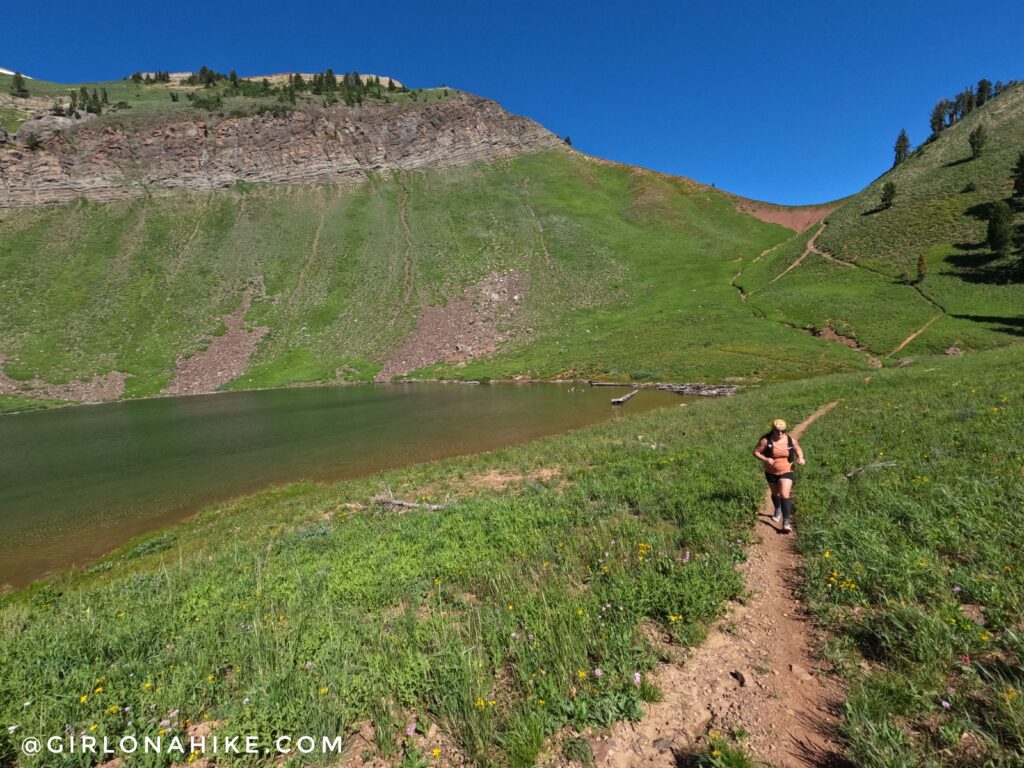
[[757, 671], [811, 248]]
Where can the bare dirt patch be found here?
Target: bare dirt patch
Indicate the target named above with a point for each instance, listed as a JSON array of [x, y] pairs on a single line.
[[109, 386], [757, 671], [225, 359], [460, 330], [496, 480], [799, 218]]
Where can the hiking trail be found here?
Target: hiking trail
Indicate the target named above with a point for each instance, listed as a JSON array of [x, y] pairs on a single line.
[[755, 671]]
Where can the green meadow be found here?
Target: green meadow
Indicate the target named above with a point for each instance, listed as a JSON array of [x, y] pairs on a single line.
[[511, 616]]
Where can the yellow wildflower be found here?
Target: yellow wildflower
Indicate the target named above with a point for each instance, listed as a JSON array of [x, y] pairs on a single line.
[[83, 699]]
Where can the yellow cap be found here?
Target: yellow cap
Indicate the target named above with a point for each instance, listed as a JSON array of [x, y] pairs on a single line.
[[779, 424]]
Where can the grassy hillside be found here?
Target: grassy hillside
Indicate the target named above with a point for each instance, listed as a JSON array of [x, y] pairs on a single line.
[[971, 299], [625, 273], [299, 609]]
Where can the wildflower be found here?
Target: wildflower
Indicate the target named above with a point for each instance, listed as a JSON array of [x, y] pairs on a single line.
[[945, 704], [479, 703], [165, 722], [951, 690], [162, 731], [309, 665], [127, 709], [147, 685], [410, 729], [510, 606], [245, 702], [173, 713], [582, 675], [323, 691], [540, 702], [828, 553], [598, 672], [99, 689], [436, 753], [491, 702], [12, 728], [984, 636], [957, 588], [83, 699], [437, 582], [579, 612], [93, 727], [1010, 694], [112, 710], [26, 704], [636, 678], [515, 635]]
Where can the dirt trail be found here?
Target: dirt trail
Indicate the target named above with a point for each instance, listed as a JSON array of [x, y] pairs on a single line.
[[915, 334], [407, 256], [807, 251], [310, 259], [755, 671]]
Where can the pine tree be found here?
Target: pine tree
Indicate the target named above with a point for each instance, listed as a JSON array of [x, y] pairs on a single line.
[[888, 194], [299, 83], [18, 87], [391, 84], [938, 118], [977, 139], [103, 96], [1000, 228], [984, 91], [902, 147], [233, 79], [1018, 178]]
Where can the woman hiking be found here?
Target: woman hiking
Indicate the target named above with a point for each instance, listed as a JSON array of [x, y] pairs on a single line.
[[779, 452]]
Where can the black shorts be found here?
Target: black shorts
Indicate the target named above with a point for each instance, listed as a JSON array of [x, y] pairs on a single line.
[[775, 478]]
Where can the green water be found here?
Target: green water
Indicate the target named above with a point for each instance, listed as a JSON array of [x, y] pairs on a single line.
[[77, 482]]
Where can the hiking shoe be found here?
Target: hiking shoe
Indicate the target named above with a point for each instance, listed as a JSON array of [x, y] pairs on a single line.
[[787, 528], [777, 517]]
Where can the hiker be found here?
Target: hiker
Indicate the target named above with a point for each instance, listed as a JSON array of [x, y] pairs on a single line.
[[779, 452]]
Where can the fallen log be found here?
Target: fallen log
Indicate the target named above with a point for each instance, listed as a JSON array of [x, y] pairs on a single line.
[[390, 502], [625, 398], [703, 390]]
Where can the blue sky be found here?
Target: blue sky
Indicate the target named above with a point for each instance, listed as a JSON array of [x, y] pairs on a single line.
[[793, 102]]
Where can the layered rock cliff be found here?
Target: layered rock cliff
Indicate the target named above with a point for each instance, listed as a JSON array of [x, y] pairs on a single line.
[[111, 159]]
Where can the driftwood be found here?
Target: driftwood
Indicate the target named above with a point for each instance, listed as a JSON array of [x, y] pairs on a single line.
[[704, 390], [877, 465], [625, 398], [390, 502]]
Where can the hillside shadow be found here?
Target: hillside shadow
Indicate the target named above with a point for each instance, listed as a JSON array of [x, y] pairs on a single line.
[[982, 267], [1011, 325], [873, 211], [955, 163], [980, 211]]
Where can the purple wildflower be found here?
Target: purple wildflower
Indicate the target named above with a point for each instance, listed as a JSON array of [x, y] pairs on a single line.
[[309, 665], [945, 704], [636, 678], [598, 672]]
